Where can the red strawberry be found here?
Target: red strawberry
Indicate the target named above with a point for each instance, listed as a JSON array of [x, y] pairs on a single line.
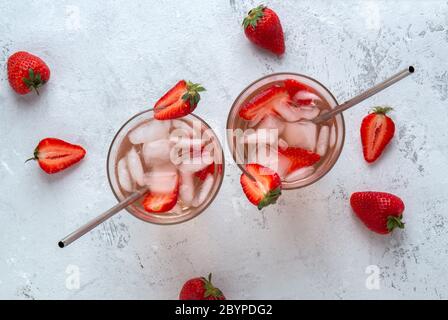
[[266, 188], [200, 289], [27, 72], [263, 103], [262, 27], [161, 202], [294, 86], [210, 169], [381, 212], [299, 157], [377, 129], [179, 101], [54, 155]]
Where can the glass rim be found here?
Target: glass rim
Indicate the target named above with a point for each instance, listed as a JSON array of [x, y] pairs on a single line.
[[229, 143], [164, 223]]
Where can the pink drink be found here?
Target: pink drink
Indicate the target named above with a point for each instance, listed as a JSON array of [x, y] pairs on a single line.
[[287, 126], [181, 156]]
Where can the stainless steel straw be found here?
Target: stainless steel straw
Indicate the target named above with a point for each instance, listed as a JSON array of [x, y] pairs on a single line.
[[101, 218], [363, 96]]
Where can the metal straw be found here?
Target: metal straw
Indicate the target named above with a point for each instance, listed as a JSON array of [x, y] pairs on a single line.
[[363, 96], [101, 218]]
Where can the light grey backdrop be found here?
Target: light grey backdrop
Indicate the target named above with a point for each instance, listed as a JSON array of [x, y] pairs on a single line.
[[112, 59]]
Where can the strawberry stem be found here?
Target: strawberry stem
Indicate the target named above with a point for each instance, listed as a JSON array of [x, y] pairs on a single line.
[[394, 222], [253, 16], [210, 290], [34, 80], [381, 109]]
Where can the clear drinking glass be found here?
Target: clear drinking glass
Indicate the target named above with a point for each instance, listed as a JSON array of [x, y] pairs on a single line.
[[234, 122], [136, 209]]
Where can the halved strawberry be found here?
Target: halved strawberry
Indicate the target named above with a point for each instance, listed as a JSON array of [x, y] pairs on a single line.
[[377, 129], [54, 155], [179, 101], [294, 86], [202, 174], [266, 188], [161, 202], [299, 158], [264, 102]]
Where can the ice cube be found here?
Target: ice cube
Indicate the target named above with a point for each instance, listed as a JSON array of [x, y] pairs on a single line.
[[157, 151], [288, 112], [300, 174], [204, 191], [150, 131], [301, 134], [322, 141], [261, 136], [196, 162], [272, 122], [309, 112], [124, 178], [305, 96], [135, 167], [333, 136], [271, 158], [186, 188], [162, 178]]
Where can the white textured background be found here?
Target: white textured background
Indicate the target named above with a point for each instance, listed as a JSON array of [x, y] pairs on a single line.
[[112, 59]]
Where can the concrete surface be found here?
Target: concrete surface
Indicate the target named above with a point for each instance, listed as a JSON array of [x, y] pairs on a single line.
[[112, 59]]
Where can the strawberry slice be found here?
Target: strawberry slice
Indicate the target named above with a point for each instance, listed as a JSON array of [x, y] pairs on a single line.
[[179, 101], [299, 158], [202, 174], [294, 86], [54, 155], [377, 129], [266, 188], [264, 102], [161, 202]]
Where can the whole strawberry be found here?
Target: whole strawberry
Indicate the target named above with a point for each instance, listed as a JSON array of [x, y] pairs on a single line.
[[262, 26], [200, 289], [377, 130], [381, 212], [27, 72]]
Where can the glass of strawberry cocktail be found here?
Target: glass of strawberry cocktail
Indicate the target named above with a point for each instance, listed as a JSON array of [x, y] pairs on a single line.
[[179, 161], [271, 124]]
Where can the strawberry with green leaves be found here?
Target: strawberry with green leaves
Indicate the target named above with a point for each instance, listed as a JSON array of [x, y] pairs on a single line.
[[27, 72], [262, 186], [263, 28], [200, 289], [179, 101], [381, 212]]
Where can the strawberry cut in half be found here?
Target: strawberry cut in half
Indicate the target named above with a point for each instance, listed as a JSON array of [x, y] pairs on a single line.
[[265, 189], [179, 101], [161, 202], [264, 103], [54, 155], [381, 212], [377, 130], [299, 158], [294, 86]]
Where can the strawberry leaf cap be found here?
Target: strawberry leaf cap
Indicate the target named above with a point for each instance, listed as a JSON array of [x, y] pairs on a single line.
[[270, 198], [394, 222], [253, 16], [34, 80], [210, 290], [192, 93], [381, 109]]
